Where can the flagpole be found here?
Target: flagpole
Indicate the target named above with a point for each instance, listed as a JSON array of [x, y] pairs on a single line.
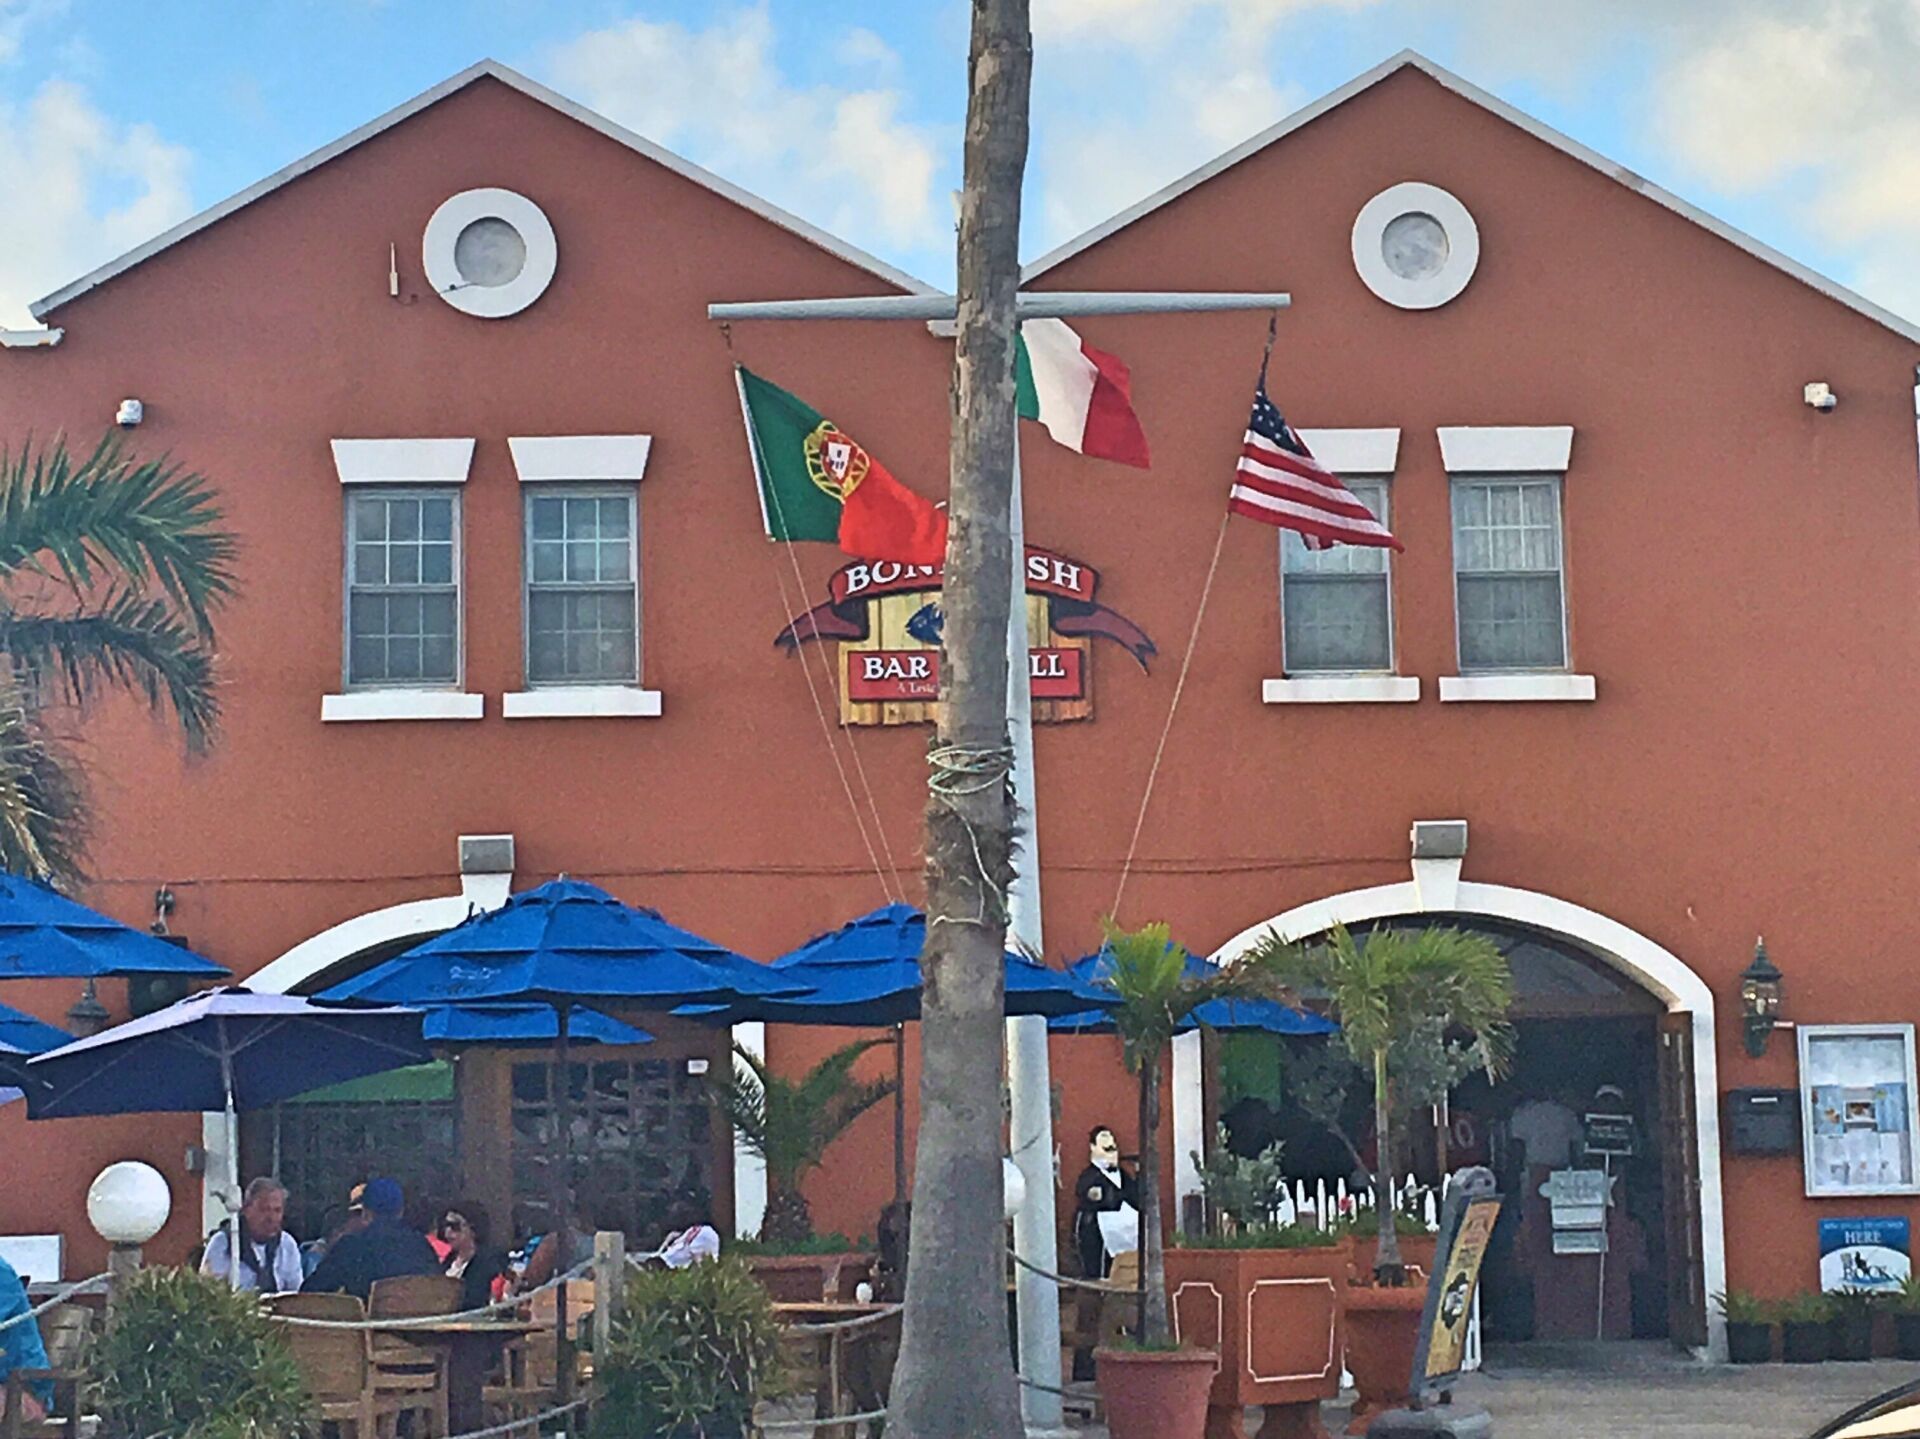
[[1029, 1080]]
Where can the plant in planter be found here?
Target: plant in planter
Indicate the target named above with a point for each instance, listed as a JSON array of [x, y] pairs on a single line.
[[692, 1352], [1750, 1322], [1396, 993], [1806, 1328], [1852, 1324], [1159, 1391], [1905, 1305], [187, 1357], [789, 1124]]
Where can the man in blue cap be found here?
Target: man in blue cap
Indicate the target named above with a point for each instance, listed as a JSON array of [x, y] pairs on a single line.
[[385, 1249]]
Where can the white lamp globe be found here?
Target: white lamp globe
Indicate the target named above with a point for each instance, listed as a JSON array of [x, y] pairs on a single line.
[[128, 1202], [1013, 1187]]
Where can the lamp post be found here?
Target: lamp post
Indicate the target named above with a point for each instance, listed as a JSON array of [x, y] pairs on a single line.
[[1761, 985], [127, 1204]]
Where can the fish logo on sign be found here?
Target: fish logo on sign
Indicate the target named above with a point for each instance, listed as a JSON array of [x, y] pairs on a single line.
[[888, 620]]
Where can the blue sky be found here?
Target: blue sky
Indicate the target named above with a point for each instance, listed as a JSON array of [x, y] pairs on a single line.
[[1796, 120]]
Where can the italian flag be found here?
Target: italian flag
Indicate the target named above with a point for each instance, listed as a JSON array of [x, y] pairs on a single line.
[[1082, 395], [816, 483]]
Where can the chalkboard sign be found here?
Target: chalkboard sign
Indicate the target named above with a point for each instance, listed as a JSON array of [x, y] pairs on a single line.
[[1609, 1134]]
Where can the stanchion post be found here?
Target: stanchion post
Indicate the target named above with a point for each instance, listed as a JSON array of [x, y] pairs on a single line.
[[123, 1262], [609, 1282]]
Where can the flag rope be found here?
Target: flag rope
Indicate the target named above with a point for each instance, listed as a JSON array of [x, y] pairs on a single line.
[[1160, 749]]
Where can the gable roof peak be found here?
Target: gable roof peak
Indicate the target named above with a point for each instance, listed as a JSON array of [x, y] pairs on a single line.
[[485, 69]]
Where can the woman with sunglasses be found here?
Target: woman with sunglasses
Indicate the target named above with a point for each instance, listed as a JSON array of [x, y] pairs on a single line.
[[471, 1258]]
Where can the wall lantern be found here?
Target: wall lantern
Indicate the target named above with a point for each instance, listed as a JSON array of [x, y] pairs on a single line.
[[1761, 985]]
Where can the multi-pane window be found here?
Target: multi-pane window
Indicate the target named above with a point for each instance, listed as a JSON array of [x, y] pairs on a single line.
[[1336, 605], [1506, 557], [403, 587], [582, 599]]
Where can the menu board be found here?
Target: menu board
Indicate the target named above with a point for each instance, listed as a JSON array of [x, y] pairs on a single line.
[[1857, 1096]]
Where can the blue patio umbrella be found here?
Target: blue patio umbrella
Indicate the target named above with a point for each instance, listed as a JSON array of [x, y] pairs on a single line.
[[524, 1024], [564, 942], [21, 1035], [866, 974], [1239, 1015], [227, 1049], [45, 935]]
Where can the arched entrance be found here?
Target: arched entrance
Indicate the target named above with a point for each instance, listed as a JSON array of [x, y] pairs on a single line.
[[1686, 1034]]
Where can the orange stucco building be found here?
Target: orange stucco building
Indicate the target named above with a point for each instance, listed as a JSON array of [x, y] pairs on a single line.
[[1653, 636]]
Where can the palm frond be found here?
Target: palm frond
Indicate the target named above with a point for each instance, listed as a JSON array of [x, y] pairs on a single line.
[[127, 639], [1148, 973], [43, 813], [135, 523], [790, 1123]]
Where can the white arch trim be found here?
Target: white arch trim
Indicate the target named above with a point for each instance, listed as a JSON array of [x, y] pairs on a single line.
[[1649, 965]]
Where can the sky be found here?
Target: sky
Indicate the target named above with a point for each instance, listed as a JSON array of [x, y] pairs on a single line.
[[1795, 120]]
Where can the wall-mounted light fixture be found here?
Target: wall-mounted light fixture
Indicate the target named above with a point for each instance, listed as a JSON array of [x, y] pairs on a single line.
[[1761, 985]]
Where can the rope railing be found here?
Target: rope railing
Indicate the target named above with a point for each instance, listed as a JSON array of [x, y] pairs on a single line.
[[782, 1426], [1067, 1281], [531, 1422], [428, 1321], [841, 1326], [60, 1298]]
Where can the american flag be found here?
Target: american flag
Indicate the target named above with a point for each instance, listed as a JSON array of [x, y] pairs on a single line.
[[1278, 482]]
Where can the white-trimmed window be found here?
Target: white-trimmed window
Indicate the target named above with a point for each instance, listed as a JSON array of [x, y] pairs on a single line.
[[403, 587], [1509, 579], [583, 593], [1336, 605]]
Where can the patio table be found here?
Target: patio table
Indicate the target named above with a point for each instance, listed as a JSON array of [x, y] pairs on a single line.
[[470, 1346]]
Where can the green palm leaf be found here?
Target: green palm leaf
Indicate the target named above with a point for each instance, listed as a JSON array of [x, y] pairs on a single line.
[[43, 819], [129, 641], [790, 1123]]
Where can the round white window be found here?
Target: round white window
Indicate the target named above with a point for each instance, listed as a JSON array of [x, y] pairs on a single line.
[[1415, 246], [489, 253]]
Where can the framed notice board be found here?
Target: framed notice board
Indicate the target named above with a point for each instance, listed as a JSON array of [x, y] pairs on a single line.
[[1858, 1115]]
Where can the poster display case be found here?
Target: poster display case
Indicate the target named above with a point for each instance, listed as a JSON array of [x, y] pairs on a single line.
[[1857, 1098]]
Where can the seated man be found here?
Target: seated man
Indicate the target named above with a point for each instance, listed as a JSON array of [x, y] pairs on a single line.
[[21, 1347], [690, 1239], [269, 1256], [385, 1249]]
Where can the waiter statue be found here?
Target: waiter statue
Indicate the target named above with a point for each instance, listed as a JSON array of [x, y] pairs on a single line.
[[1106, 1220]]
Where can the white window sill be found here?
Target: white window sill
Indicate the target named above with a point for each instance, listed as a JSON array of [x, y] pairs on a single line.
[[582, 702], [1341, 690], [400, 704], [1516, 687]]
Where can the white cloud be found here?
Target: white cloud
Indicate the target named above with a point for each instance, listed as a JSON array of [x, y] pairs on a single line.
[[19, 16], [841, 155], [81, 188]]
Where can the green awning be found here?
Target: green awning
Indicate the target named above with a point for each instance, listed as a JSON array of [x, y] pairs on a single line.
[[417, 1083]]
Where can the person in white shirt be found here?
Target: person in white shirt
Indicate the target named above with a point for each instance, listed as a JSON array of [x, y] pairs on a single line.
[[691, 1240], [269, 1256]]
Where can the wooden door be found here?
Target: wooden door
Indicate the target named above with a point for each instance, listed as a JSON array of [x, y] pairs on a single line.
[[1680, 1177]]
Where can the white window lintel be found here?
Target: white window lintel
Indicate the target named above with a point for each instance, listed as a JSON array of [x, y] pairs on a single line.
[[1506, 449], [540, 458], [401, 704], [1341, 689], [1517, 687], [1355, 452], [403, 462], [582, 702]]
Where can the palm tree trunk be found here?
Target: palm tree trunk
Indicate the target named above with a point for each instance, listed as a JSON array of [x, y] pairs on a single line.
[[1156, 1327], [1387, 1268], [955, 1375]]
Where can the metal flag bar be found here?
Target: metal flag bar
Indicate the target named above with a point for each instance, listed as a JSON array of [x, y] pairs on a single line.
[[1029, 305]]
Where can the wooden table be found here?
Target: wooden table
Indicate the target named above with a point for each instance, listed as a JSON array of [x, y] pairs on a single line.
[[470, 1346], [856, 1364]]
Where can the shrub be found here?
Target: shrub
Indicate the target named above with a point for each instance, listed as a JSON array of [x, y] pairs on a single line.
[[1906, 1300], [694, 1349], [187, 1357], [1807, 1309], [760, 1246], [1249, 1192], [1265, 1236], [1741, 1307]]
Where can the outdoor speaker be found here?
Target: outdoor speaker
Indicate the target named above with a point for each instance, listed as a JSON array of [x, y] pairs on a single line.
[[1763, 1121]]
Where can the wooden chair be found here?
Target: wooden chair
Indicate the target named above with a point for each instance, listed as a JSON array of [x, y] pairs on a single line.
[[64, 1329], [415, 1373], [1119, 1311], [530, 1366], [336, 1365]]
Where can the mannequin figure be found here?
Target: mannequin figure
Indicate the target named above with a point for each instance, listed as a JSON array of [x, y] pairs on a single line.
[[1105, 1219]]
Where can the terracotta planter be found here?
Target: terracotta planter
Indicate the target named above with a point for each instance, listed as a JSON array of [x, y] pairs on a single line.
[[1383, 1329], [1417, 1253], [1155, 1394], [1273, 1316], [810, 1278]]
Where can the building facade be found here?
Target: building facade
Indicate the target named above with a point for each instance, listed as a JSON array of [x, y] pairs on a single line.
[[1653, 636]]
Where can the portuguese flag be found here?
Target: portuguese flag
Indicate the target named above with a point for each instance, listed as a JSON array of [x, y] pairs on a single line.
[[816, 483], [1082, 395]]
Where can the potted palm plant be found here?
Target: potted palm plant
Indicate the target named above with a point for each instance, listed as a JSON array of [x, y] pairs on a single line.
[[1806, 1328], [1749, 1326], [1388, 989], [790, 1124], [1906, 1319], [1853, 1314]]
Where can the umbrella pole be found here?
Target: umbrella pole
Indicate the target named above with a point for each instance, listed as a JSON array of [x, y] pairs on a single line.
[[562, 1215], [232, 1197], [899, 1114]]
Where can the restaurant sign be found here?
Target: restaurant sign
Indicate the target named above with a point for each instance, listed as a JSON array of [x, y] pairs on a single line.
[[887, 620]]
